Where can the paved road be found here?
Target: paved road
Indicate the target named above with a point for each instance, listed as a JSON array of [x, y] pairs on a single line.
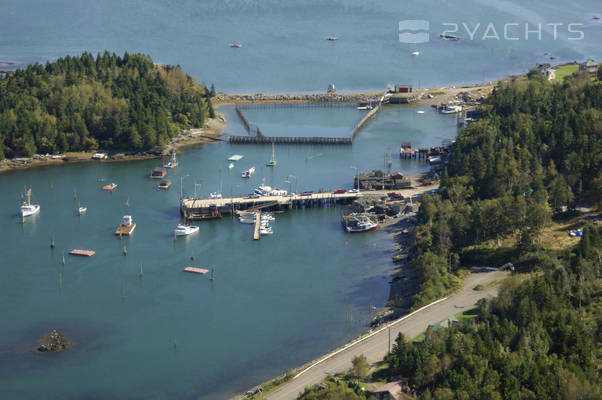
[[375, 347]]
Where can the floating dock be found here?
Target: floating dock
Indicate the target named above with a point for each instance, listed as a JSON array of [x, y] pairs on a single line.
[[195, 270], [256, 234], [86, 253], [125, 229]]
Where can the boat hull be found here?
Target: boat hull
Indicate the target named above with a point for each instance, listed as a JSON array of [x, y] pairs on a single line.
[[32, 210]]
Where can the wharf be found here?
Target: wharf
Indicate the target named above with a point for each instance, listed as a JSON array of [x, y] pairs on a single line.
[[196, 209]]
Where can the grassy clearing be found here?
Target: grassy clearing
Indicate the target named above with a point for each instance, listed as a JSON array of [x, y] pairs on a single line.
[[468, 314], [566, 70]]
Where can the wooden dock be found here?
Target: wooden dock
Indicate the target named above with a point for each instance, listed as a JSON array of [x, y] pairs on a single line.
[[195, 270], [125, 230], [256, 234], [289, 140], [86, 253]]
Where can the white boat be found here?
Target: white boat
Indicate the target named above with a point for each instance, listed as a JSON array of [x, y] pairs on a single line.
[[82, 210], [173, 162], [27, 208], [231, 165], [272, 161], [266, 231], [416, 53], [215, 195], [364, 107], [267, 217], [248, 173], [185, 230], [235, 157], [358, 223], [451, 110], [263, 190], [419, 112], [236, 45]]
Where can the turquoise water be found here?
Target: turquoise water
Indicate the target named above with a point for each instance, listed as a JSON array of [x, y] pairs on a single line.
[[274, 304], [284, 47]]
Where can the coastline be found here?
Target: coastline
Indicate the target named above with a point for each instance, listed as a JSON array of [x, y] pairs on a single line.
[[210, 133]]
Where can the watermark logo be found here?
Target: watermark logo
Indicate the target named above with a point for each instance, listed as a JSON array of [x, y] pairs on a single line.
[[410, 31], [417, 31]]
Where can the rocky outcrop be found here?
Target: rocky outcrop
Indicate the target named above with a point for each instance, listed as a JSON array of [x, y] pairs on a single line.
[[53, 342]]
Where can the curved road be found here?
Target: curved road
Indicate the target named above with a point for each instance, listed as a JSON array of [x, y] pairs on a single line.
[[377, 346]]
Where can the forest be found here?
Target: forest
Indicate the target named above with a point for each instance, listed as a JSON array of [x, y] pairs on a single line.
[[110, 102], [539, 339], [535, 153]]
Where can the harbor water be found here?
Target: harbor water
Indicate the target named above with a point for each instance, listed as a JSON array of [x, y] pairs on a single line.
[[274, 304], [284, 46]]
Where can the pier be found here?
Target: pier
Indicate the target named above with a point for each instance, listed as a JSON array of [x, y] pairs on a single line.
[[289, 140], [195, 209], [367, 117], [199, 209], [256, 233]]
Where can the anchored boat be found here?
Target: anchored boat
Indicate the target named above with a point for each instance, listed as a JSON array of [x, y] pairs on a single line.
[[158, 173], [185, 230], [126, 227], [27, 208], [165, 184], [248, 173], [173, 162], [272, 161]]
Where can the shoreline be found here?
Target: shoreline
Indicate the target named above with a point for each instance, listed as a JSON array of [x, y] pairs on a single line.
[[210, 133]]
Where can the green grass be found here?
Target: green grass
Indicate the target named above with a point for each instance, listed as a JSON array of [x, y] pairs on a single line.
[[468, 314], [566, 70]]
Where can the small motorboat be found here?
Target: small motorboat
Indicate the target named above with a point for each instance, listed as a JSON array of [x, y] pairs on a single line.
[[82, 210], [248, 173], [110, 186], [165, 184], [416, 53], [215, 195], [332, 38], [185, 230], [173, 162], [236, 45], [419, 112], [231, 165]]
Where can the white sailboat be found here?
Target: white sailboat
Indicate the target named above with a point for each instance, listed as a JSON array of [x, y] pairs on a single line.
[[27, 208], [272, 161], [173, 162]]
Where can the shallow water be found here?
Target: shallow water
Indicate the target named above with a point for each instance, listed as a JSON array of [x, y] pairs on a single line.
[[274, 304]]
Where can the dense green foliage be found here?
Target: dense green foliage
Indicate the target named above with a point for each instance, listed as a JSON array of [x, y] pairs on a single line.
[[335, 389], [81, 103], [539, 339], [537, 150]]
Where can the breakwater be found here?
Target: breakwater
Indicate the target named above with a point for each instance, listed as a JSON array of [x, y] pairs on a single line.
[[301, 98]]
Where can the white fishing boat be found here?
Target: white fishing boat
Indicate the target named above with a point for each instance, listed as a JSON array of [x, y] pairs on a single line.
[[215, 195], [272, 161], [451, 110], [82, 210], [248, 173], [231, 165], [416, 53], [358, 223], [27, 208], [263, 190], [419, 112], [185, 230]]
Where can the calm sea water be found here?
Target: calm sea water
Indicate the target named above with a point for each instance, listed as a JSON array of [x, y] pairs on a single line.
[[284, 47], [274, 304]]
